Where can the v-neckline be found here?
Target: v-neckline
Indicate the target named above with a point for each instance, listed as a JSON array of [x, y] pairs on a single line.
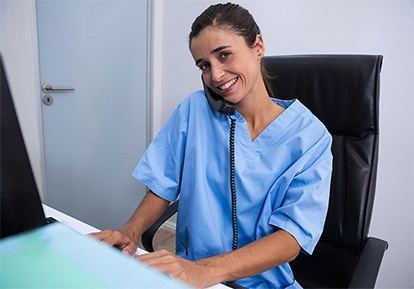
[[249, 148]]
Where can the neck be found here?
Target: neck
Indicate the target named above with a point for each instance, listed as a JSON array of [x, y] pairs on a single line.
[[259, 114]]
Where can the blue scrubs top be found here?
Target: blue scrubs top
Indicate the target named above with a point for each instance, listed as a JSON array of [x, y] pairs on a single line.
[[282, 180]]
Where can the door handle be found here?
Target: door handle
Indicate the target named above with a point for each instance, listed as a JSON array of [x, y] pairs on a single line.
[[48, 88]]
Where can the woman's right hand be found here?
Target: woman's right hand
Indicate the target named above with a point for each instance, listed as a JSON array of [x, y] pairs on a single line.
[[118, 239], [126, 238]]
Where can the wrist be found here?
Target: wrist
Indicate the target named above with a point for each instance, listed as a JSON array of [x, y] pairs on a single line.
[[130, 232], [216, 270]]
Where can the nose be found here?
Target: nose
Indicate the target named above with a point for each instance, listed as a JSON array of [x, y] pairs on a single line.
[[217, 73]]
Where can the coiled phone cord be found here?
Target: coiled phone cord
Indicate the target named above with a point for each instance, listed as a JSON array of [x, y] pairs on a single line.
[[233, 183], [233, 284]]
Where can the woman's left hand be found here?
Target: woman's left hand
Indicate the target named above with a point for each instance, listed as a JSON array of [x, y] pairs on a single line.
[[190, 272]]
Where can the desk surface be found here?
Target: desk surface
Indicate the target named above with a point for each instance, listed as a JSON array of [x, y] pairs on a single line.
[[84, 229]]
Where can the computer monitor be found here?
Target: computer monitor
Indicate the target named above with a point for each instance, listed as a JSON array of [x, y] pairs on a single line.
[[21, 207]]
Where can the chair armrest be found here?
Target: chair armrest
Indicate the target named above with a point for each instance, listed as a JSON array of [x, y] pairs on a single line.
[[366, 271], [148, 236]]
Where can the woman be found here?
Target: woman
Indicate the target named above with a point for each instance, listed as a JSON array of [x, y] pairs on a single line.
[[280, 156]]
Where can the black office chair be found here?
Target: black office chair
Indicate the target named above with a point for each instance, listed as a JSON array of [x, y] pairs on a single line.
[[343, 92]]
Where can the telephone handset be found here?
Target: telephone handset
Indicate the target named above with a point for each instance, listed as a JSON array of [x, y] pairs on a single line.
[[217, 101], [219, 104]]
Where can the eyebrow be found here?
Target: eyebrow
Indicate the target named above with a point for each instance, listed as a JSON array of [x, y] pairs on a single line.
[[215, 50]]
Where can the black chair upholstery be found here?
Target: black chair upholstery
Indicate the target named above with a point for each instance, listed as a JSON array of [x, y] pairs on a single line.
[[343, 92]]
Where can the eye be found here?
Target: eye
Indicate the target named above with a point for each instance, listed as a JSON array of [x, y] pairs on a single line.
[[224, 55], [203, 66]]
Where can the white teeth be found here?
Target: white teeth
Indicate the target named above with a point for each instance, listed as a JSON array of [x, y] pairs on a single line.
[[228, 84]]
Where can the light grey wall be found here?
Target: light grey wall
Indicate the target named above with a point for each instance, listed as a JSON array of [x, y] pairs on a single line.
[[341, 26]]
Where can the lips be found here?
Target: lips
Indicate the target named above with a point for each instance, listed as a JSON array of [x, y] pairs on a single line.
[[228, 84]]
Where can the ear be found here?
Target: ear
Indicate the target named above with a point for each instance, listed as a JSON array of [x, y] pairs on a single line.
[[259, 47]]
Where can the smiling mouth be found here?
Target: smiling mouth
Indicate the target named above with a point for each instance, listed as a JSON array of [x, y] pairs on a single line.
[[228, 84]]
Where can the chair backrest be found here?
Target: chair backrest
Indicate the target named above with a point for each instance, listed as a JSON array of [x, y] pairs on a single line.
[[343, 92]]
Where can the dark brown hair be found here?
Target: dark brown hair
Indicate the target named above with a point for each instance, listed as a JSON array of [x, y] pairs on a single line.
[[235, 18]]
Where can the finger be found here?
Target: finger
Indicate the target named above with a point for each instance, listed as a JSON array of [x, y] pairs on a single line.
[[101, 235], [173, 270], [162, 264], [116, 239], [168, 269], [145, 257], [158, 259], [123, 242], [129, 249], [112, 238]]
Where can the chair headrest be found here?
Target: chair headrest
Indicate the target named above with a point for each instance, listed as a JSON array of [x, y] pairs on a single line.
[[340, 86]]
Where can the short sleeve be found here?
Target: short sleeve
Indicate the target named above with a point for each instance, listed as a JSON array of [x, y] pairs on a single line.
[[160, 167], [304, 207]]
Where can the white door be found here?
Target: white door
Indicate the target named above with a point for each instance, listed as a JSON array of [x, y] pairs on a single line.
[[95, 134]]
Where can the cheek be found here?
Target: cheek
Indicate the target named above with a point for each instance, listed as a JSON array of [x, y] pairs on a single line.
[[248, 65], [206, 77]]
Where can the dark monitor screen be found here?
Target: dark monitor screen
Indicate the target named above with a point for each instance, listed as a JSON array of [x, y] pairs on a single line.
[[21, 207]]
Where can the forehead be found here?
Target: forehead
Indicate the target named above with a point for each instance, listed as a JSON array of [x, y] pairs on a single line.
[[211, 38]]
